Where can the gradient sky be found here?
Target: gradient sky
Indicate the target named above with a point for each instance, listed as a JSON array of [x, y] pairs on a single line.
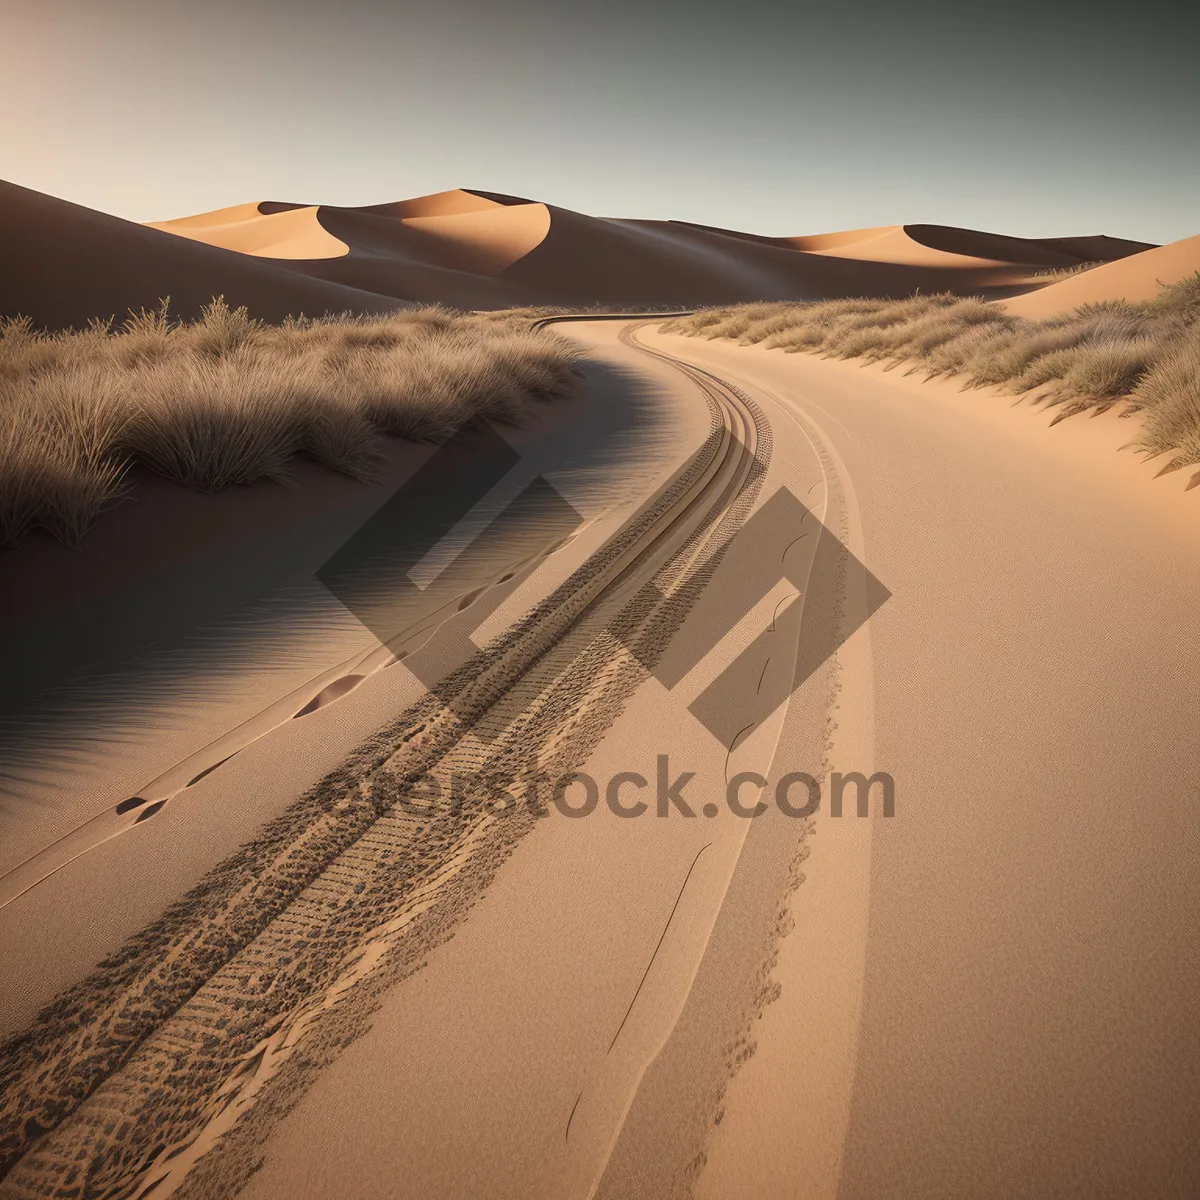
[[780, 118]]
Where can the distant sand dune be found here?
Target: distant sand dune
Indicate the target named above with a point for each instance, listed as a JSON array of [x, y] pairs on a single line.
[[1097, 248], [483, 242], [942, 246], [507, 249], [293, 233], [897, 244], [479, 250], [438, 204], [583, 257], [817, 243], [489, 241], [448, 259]]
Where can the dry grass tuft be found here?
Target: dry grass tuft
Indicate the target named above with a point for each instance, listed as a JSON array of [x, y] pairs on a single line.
[[1145, 354], [1169, 396], [1058, 274], [230, 400]]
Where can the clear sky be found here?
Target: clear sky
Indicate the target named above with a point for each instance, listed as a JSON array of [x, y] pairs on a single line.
[[772, 117]]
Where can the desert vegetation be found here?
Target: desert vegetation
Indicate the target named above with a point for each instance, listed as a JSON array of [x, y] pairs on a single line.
[[1058, 274], [230, 400], [1146, 356]]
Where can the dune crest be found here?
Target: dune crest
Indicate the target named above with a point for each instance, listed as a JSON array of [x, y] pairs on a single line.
[[456, 229], [488, 240], [292, 233], [436, 204], [948, 246]]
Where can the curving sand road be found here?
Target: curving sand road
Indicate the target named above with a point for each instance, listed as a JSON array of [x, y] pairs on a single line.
[[147, 1063], [991, 993], [1032, 970]]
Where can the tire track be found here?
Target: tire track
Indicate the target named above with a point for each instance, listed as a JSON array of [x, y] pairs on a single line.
[[205, 1027]]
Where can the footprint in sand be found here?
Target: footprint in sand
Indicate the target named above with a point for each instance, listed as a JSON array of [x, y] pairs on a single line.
[[331, 692]]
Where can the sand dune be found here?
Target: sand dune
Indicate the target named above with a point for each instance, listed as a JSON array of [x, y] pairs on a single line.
[[463, 230], [480, 243], [1136, 277], [1097, 248], [946, 239], [844, 238], [438, 204], [488, 241], [445, 248], [934, 246], [410, 260], [292, 233]]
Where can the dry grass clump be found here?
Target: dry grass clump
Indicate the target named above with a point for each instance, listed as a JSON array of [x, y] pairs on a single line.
[[1145, 354], [1169, 397], [227, 399], [1058, 274], [57, 469]]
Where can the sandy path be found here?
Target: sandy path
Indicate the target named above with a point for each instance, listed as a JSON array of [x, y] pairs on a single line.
[[991, 993], [155, 1057], [526, 1038], [1029, 1016]]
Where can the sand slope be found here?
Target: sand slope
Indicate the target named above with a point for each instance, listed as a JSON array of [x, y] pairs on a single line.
[[1097, 248], [934, 246], [445, 254], [292, 233], [444, 248], [672, 262], [63, 264], [1026, 1023], [1134, 278], [441, 204]]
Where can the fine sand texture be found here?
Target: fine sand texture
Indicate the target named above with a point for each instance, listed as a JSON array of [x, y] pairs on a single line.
[[1025, 1022], [561, 700], [521, 1086], [1137, 277]]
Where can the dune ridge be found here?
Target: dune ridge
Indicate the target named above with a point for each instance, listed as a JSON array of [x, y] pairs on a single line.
[[289, 233]]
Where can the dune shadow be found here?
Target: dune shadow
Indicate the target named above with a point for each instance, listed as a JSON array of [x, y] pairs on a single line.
[[140, 655]]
